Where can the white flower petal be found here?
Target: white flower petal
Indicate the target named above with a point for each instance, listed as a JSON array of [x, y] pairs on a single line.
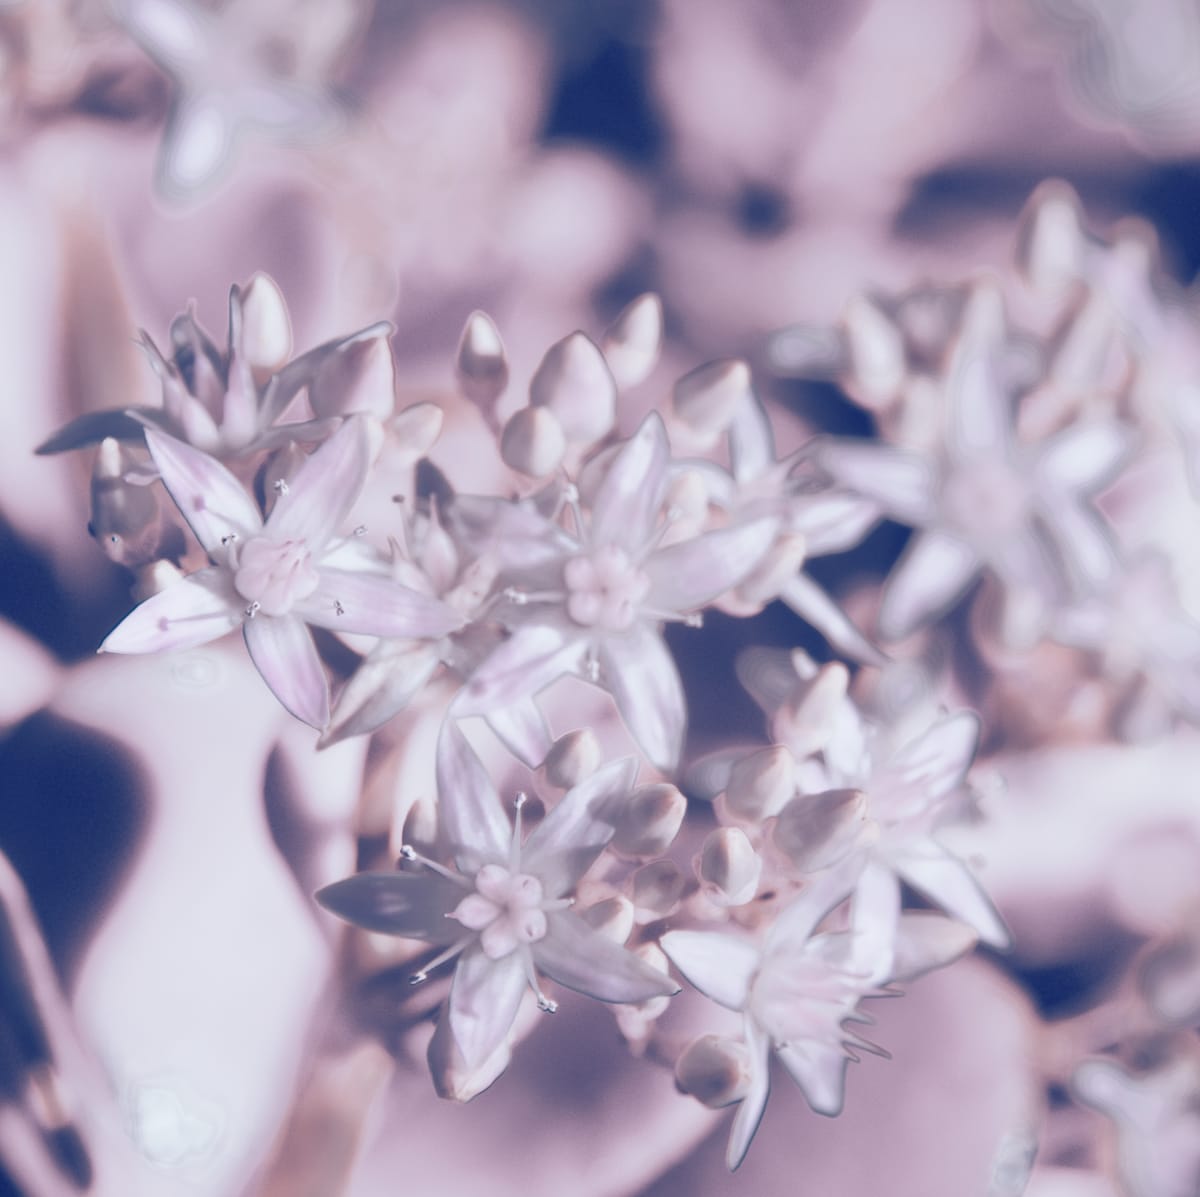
[[948, 883], [484, 1000], [191, 611], [528, 661], [833, 522], [516, 536], [692, 573], [751, 443], [794, 925], [1086, 546], [933, 574], [469, 809], [932, 765], [581, 958], [638, 671], [566, 842], [813, 605], [351, 601], [904, 484], [324, 489], [384, 684], [819, 1069], [721, 966], [522, 728], [926, 941], [626, 504], [753, 1105], [1086, 456], [981, 416], [214, 503], [874, 918], [283, 652], [413, 905]]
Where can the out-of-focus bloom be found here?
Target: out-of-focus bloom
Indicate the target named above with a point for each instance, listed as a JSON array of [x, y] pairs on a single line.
[[273, 578], [592, 601], [503, 909]]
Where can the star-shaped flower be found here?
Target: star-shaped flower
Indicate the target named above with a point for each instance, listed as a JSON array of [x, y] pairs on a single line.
[[502, 909], [273, 577], [592, 601]]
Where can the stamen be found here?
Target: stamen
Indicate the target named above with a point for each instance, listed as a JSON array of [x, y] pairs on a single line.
[[514, 847], [280, 486], [591, 668], [407, 852], [544, 1004], [253, 609], [441, 958], [229, 538], [361, 530], [571, 499], [338, 608]]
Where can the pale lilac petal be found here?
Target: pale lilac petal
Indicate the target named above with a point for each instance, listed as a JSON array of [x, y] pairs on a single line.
[[769, 676], [528, 661], [214, 503], [933, 574], [874, 917], [691, 574], [522, 729], [981, 415], [626, 504], [926, 941], [239, 418], [350, 601], [469, 809], [1086, 457], [753, 1105], [904, 484], [638, 671], [948, 883], [932, 765], [579, 957], [1087, 549], [484, 1000], [326, 486], [383, 685], [721, 966], [834, 522], [814, 606], [794, 925], [566, 842], [819, 1069], [191, 611], [516, 536], [751, 443], [413, 905], [283, 652]]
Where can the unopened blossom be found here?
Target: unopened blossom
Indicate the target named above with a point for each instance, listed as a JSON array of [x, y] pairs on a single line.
[[273, 578], [983, 500], [592, 600], [502, 909]]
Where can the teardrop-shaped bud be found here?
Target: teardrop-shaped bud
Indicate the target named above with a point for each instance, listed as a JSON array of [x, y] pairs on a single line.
[[649, 820], [125, 517], [761, 783], [575, 383], [658, 888], [877, 358], [613, 918], [707, 397], [633, 342], [359, 375], [1051, 243], [815, 831], [1170, 980], [416, 429], [266, 326], [480, 364], [452, 1078], [572, 758], [715, 1070], [533, 442], [728, 867]]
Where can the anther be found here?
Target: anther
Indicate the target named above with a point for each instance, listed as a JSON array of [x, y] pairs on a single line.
[[229, 538], [361, 530], [546, 1005], [417, 978], [515, 596], [338, 608], [252, 609], [280, 486], [695, 620]]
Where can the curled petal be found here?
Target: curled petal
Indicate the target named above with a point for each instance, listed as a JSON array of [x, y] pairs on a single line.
[[627, 501], [749, 1113], [469, 808], [214, 503], [283, 652], [639, 673], [819, 1069], [581, 958], [484, 1000], [946, 881], [721, 966], [933, 574], [350, 601], [413, 905], [692, 573], [191, 611]]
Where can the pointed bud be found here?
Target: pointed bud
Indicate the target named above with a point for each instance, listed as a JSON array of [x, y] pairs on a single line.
[[658, 889], [707, 397], [125, 519], [480, 365], [633, 342], [266, 327], [575, 383], [416, 428], [760, 784], [452, 1078], [728, 867], [649, 820], [1051, 243], [613, 918], [358, 376], [572, 758], [533, 442], [715, 1070], [877, 359], [815, 831]]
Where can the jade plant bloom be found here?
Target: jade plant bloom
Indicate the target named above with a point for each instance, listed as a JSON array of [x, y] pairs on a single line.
[[502, 910], [274, 577]]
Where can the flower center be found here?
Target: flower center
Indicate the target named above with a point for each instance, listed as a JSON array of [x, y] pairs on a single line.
[[987, 499], [273, 575], [604, 589], [506, 910]]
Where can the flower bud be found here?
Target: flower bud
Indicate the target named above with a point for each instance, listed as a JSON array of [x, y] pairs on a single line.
[[480, 366], [715, 1070], [815, 831], [613, 918], [807, 720], [416, 428], [266, 327], [635, 1020], [877, 358], [728, 867], [572, 758], [574, 382], [760, 784], [533, 441], [707, 397], [633, 342], [1170, 980], [125, 519], [452, 1079], [657, 890], [1051, 246], [649, 820], [358, 376]]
